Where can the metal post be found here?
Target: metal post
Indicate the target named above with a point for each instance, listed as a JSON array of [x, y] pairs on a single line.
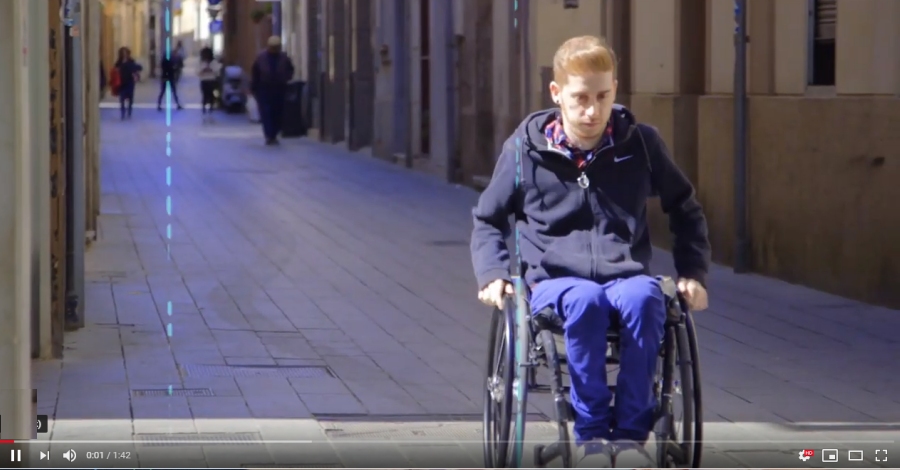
[[402, 99], [451, 95], [75, 264], [40, 122], [15, 213], [92, 160], [525, 32], [741, 235]]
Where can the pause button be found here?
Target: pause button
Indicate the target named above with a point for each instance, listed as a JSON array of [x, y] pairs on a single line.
[[15, 455]]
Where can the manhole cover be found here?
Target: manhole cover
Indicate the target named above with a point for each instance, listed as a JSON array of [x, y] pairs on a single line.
[[195, 439], [174, 392], [213, 370]]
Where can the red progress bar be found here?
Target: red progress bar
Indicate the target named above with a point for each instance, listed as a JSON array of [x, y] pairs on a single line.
[[7, 441]]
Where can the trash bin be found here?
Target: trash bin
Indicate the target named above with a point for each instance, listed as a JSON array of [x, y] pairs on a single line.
[[293, 119]]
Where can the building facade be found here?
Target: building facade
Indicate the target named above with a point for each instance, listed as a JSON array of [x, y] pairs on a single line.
[[126, 23], [445, 81]]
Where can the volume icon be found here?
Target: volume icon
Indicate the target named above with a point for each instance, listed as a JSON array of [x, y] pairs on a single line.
[[69, 455]]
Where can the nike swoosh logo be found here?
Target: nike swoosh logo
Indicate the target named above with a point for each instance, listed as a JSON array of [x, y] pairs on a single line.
[[622, 159]]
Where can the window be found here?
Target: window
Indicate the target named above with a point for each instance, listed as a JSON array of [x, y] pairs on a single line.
[[822, 26]]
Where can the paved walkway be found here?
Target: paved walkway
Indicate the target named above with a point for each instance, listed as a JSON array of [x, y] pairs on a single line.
[[323, 302]]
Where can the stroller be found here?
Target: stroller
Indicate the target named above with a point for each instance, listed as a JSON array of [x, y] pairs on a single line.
[[234, 89]]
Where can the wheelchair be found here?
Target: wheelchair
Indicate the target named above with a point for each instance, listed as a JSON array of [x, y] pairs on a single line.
[[521, 342]]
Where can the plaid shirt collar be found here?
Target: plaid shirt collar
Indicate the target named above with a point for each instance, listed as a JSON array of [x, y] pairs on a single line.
[[557, 140]]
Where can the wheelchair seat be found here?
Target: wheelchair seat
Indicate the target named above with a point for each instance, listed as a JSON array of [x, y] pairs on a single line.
[[547, 319]]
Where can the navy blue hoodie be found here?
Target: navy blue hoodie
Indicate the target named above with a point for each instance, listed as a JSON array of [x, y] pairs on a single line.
[[589, 223]]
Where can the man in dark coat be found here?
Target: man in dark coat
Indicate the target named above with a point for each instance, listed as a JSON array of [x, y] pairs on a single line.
[[169, 71], [271, 73]]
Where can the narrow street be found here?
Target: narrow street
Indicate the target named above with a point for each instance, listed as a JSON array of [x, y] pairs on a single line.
[[323, 314]]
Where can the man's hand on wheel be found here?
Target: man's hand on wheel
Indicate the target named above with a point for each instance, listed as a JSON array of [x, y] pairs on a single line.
[[694, 293], [493, 293]]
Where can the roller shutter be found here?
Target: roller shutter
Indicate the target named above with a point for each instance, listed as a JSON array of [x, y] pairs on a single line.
[[825, 19]]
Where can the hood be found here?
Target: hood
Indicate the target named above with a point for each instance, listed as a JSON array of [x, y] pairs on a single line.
[[533, 126]]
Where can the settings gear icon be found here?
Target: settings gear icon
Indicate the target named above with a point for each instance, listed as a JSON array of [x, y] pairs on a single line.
[[804, 455]]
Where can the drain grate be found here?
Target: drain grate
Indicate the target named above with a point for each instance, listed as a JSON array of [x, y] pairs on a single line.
[[214, 370], [196, 439], [175, 392]]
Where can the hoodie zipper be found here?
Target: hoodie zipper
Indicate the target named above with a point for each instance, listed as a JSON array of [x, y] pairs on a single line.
[[584, 182]]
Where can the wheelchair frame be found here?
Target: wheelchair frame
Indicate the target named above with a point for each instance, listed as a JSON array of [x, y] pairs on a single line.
[[521, 341]]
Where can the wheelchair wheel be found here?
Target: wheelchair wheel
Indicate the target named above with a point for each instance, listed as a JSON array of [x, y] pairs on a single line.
[[675, 433], [694, 349], [498, 390], [561, 405], [524, 368]]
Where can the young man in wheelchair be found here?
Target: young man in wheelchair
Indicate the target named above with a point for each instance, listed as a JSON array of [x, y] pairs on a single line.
[[577, 178]]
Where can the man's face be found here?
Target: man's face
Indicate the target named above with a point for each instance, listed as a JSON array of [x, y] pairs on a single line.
[[586, 102], [274, 49]]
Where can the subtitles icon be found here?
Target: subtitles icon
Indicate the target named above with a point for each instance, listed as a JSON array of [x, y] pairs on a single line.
[[829, 455], [805, 454]]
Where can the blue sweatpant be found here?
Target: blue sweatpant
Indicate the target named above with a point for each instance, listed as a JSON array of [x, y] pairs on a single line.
[[586, 308]]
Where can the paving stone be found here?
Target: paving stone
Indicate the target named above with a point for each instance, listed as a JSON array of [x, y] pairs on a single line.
[[384, 397], [355, 368], [332, 404], [323, 385], [287, 345], [219, 407]]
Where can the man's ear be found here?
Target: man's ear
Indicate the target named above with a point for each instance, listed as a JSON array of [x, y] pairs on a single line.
[[555, 89]]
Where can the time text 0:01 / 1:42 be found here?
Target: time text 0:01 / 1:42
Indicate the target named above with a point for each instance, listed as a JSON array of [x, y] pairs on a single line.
[[108, 455]]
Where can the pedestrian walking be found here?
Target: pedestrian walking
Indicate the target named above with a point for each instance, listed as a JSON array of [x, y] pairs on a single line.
[[209, 76], [123, 77], [167, 67], [271, 73], [178, 56]]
